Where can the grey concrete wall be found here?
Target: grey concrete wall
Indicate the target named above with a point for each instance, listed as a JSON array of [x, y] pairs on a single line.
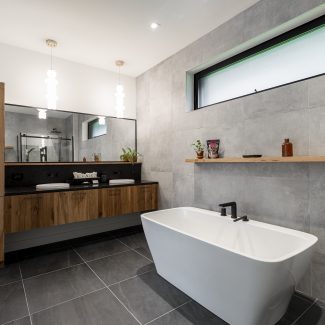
[[292, 195]]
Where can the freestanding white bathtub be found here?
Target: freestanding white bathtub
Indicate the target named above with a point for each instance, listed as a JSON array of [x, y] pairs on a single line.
[[244, 272]]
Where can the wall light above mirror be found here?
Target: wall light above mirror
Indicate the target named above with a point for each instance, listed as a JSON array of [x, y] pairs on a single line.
[[39, 135]]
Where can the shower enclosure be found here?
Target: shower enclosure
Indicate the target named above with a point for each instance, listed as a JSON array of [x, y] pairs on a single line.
[[44, 148]]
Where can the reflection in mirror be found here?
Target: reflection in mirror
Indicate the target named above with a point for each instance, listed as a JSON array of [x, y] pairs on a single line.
[[59, 136]]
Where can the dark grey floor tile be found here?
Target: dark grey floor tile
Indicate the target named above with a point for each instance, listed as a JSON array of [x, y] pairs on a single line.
[[298, 305], [97, 308], [121, 266], [314, 316], [99, 249], [145, 252], [22, 321], [9, 273], [49, 262], [148, 296], [12, 302], [135, 241], [52, 288], [190, 314]]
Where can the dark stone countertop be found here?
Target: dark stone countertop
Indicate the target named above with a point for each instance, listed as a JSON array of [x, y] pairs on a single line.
[[9, 191]]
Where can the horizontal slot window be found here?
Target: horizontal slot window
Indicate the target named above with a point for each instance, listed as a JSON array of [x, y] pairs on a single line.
[[293, 56]]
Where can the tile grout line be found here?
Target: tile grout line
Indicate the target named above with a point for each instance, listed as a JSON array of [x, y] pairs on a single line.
[[304, 313], [14, 320], [67, 267], [105, 256], [109, 289], [12, 282], [185, 303], [49, 272], [22, 281], [131, 277], [135, 250], [63, 302]]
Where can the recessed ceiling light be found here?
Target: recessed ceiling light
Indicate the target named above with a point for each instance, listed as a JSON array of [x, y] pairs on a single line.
[[154, 25]]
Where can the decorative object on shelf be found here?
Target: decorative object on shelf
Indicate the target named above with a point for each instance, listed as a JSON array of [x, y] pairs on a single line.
[[51, 82], [252, 156], [84, 178], [129, 155], [213, 148], [199, 149], [97, 157], [287, 148], [119, 94]]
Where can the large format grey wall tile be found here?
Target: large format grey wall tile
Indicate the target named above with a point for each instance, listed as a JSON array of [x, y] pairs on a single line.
[[291, 195]]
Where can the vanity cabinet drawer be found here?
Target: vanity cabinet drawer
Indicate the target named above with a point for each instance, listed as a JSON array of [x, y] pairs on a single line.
[[74, 206], [115, 201], [25, 212], [145, 197]]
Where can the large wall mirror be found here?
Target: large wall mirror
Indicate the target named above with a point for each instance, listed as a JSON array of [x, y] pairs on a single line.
[[60, 136]]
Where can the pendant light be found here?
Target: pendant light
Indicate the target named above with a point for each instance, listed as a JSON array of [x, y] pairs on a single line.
[[119, 94], [51, 81]]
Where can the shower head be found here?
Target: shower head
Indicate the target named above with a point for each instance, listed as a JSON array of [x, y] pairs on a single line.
[[55, 131]]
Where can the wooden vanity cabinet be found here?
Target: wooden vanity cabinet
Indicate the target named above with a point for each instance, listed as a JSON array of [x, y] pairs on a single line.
[[26, 212]]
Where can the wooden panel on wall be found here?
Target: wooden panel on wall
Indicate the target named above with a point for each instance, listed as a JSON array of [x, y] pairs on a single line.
[[25, 212], [2, 139], [2, 152], [1, 232], [75, 206]]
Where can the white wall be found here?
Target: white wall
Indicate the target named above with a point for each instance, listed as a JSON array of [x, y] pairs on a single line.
[[81, 88]]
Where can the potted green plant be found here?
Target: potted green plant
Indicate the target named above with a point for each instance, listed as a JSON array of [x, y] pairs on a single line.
[[129, 155], [198, 148]]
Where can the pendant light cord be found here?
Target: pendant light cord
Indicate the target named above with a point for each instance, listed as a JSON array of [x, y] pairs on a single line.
[[51, 59]]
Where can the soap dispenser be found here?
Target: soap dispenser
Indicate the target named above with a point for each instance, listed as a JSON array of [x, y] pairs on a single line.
[[287, 150]]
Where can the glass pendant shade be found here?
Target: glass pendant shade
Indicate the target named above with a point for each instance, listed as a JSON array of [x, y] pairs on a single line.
[[51, 93]]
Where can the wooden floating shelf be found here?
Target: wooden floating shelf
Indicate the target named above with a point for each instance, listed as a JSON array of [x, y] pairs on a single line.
[[295, 159]]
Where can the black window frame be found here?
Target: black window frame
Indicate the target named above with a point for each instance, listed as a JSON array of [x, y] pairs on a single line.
[[89, 125], [293, 33]]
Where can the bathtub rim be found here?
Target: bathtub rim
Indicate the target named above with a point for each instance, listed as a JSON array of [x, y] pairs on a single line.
[[310, 238]]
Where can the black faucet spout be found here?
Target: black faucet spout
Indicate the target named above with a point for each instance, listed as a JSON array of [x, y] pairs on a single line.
[[233, 206]]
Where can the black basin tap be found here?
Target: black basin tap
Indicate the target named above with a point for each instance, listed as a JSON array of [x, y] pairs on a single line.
[[233, 206]]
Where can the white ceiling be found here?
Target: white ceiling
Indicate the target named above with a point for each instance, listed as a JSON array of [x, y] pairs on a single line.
[[97, 32]]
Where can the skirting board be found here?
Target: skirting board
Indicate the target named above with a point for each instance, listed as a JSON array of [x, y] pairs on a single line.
[[42, 236]]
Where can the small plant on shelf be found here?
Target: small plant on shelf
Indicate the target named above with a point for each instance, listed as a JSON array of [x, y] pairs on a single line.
[[198, 148], [129, 155]]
